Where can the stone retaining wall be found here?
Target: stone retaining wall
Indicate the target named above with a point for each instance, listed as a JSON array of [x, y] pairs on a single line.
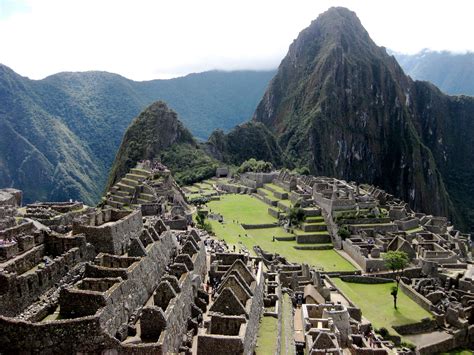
[[313, 238], [259, 226], [274, 213], [416, 297], [365, 279], [313, 247], [425, 326]]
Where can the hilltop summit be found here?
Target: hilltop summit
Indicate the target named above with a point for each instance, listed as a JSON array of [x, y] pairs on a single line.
[[157, 133]]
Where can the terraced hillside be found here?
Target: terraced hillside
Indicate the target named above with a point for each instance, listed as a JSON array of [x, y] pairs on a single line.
[[248, 220]]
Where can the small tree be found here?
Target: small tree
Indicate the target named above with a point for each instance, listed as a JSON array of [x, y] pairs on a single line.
[[200, 218], [296, 216], [394, 293], [202, 222], [344, 232], [396, 261]]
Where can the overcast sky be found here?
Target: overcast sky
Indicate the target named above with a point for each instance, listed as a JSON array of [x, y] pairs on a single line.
[[161, 39]]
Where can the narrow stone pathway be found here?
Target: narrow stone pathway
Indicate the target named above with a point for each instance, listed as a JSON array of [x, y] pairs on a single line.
[[287, 336]]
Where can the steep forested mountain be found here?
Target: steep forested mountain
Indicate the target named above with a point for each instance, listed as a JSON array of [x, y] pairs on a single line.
[[453, 73], [157, 133], [343, 107], [59, 135]]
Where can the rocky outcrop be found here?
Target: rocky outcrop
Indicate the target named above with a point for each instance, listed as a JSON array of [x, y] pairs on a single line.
[[343, 107]]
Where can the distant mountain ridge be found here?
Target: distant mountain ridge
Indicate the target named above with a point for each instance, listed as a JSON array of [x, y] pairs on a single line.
[[59, 135], [453, 73]]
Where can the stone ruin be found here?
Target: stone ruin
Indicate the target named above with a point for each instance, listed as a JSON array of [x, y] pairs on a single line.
[[134, 276], [439, 277], [231, 324]]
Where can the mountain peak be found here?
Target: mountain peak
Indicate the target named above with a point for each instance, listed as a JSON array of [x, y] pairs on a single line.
[[341, 106]]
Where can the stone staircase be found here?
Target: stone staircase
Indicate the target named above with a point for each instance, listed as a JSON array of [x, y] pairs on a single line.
[[122, 194]]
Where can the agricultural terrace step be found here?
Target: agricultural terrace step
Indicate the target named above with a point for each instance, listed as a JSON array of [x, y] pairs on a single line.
[[125, 187], [147, 197], [122, 199], [275, 188], [115, 204], [284, 205], [312, 212], [140, 172], [264, 192], [310, 246], [316, 219], [313, 239], [314, 227], [135, 177], [129, 182], [142, 201]]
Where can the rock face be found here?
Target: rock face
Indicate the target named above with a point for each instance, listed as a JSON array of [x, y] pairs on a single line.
[[343, 107], [158, 134]]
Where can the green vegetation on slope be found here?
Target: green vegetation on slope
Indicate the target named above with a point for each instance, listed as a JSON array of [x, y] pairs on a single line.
[[59, 135], [251, 140], [158, 134], [189, 163]]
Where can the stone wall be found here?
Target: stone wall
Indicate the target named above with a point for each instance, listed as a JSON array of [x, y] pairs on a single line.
[[274, 213], [178, 311], [20, 290], [361, 260], [95, 332], [261, 178], [143, 277], [113, 237], [415, 296], [58, 337], [17, 230], [365, 279], [255, 313], [313, 238], [259, 226], [425, 326]]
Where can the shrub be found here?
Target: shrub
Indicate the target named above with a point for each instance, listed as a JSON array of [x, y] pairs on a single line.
[[257, 166], [344, 232], [383, 332]]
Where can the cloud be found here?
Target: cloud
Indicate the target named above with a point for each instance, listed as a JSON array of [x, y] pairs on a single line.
[[158, 39]]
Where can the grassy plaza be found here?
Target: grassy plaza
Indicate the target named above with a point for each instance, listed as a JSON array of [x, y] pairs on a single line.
[[238, 209], [376, 304]]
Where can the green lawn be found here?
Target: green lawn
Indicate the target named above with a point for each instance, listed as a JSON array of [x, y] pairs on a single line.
[[242, 208], [376, 304], [248, 209], [266, 341]]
